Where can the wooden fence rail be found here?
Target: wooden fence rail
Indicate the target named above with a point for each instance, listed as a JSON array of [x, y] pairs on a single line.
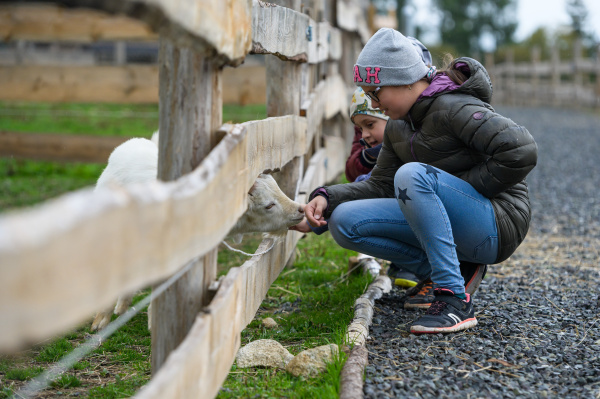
[[571, 83], [64, 259]]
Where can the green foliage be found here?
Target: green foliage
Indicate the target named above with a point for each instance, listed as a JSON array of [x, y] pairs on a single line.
[[464, 23]]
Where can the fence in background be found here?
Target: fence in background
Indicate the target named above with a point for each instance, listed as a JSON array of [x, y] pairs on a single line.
[[65, 259], [570, 83]]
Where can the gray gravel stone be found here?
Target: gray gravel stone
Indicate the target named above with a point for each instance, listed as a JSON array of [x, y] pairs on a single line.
[[538, 312]]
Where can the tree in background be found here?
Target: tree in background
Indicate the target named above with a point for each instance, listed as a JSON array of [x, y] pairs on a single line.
[[465, 23]]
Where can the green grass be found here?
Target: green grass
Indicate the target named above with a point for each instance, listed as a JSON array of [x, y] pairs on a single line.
[[23, 374], [311, 300], [134, 120], [320, 310]]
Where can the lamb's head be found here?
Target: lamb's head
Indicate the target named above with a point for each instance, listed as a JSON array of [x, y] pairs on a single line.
[[269, 209]]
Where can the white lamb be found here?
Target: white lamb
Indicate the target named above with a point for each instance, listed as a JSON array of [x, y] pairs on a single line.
[[136, 161]]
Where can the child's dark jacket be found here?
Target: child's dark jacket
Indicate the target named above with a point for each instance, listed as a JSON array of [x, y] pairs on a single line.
[[459, 132]]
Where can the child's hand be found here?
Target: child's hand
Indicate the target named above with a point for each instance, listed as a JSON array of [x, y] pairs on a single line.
[[372, 153], [314, 211], [302, 227]]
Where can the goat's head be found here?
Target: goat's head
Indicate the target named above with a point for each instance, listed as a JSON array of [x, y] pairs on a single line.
[[269, 209]]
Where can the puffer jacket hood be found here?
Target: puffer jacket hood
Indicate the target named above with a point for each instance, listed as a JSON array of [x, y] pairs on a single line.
[[478, 85]]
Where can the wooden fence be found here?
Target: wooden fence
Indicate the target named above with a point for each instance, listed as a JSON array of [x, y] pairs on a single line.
[[63, 260], [567, 83]]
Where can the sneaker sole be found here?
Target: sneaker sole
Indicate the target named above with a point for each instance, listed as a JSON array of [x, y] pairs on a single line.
[[401, 282], [417, 305], [463, 325]]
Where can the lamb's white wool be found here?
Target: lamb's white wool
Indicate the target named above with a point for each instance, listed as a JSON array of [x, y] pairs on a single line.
[[136, 161]]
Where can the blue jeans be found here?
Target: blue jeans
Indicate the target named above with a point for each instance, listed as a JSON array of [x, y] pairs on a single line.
[[436, 220]]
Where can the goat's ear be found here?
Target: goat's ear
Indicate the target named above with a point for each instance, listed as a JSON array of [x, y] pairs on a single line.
[[252, 189], [270, 171]]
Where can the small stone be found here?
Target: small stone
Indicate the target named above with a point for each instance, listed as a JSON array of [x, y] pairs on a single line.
[[265, 353], [269, 323], [313, 361]]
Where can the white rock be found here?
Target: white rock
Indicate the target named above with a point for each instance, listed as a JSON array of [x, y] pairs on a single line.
[[313, 361], [265, 353]]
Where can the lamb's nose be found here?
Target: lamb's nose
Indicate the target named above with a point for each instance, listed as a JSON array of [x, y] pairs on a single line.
[[301, 209]]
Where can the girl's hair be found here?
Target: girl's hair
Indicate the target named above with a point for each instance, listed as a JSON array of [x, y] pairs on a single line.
[[453, 73]]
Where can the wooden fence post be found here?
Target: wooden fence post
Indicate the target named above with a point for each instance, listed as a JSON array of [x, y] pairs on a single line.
[[535, 59], [577, 74], [555, 62], [190, 106], [510, 78], [597, 75]]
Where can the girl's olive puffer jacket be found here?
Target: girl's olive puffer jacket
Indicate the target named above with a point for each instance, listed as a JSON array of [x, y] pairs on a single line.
[[459, 132]]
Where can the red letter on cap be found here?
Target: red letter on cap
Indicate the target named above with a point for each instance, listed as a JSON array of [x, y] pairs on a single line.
[[373, 75], [357, 74]]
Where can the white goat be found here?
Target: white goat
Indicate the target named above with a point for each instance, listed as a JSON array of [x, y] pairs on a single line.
[[136, 161]]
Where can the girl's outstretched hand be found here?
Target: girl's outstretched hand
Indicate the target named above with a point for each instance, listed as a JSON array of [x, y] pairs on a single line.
[[314, 211]]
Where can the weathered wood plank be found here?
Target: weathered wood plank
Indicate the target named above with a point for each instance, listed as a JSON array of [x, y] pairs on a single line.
[[49, 22], [314, 109], [337, 96], [350, 17], [115, 84], [190, 114], [129, 84], [337, 153], [221, 30], [279, 31], [57, 147], [118, 240]]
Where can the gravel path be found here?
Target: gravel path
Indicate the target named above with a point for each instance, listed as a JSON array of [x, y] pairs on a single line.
[[539, 312]]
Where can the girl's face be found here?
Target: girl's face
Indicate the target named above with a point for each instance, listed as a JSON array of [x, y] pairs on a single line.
[[394, 101], [372, 128]]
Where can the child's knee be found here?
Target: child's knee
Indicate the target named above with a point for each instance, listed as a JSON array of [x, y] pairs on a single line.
[[408, 173]]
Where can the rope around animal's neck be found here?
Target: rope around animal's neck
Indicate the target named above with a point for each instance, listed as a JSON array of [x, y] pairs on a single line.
[[246, 253]]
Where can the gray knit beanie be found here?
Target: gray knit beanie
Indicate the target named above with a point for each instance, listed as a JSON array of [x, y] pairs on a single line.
[[389, 59]]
